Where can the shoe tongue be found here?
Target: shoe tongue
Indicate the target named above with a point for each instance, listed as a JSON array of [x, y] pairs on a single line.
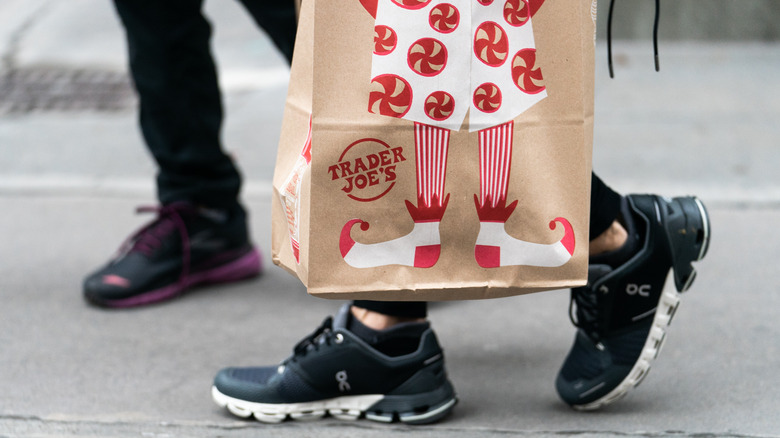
[[595, 272], [398, 340], [341, 320]]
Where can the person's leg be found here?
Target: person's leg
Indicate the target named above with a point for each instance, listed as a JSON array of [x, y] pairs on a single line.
[[623, 312], [378, 360], [606, 233], [180, 101], [374, 322], [380, 315], [200, 235], [278, 20]]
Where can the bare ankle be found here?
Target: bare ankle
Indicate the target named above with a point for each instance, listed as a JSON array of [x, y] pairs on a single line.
[[379, 321], [611, 239]]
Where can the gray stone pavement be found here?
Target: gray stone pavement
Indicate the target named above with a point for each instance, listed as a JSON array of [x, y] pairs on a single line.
[[69, 180]]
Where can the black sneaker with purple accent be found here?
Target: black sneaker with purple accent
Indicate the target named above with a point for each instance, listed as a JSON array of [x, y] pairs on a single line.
[[334, 372], [623, 312], [185, 246]]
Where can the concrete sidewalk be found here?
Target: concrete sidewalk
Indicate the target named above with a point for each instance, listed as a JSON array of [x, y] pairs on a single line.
[[70, 179]]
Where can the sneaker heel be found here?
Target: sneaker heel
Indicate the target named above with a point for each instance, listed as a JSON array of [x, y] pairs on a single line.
[[704, 237], [698, 221], [691, 249], [688, 281]]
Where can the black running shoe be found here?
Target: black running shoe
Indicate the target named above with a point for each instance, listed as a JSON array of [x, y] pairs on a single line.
[[334, 372], [623, 312], [184, 247]]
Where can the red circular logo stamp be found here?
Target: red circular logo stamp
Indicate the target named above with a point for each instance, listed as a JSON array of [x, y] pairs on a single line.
[[525, 74], [427, 57], [517, 12], [487, 98], [491, 45], [385, 40], [390, 96], [439, 105], [366, 170], [444, 18]]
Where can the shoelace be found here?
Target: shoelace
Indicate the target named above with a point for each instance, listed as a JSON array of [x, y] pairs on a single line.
[[587, 312], [321, 336], [149, 237], [655, 36]]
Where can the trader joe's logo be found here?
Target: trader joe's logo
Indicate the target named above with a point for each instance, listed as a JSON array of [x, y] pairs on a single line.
[[367, 169]]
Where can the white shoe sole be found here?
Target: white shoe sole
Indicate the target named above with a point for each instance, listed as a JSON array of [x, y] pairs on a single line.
[[343, 408], [667, 306]]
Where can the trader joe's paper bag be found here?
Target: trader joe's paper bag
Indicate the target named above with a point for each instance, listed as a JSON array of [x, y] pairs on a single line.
[[437, 150]]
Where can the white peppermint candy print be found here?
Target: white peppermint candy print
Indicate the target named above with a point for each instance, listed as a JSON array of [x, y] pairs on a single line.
[[436, 60]]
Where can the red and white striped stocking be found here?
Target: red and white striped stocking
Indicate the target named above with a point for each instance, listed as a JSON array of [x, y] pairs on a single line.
[[422, 246], [494, 246]]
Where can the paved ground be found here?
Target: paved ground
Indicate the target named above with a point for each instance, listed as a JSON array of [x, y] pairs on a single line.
[[71, 174]]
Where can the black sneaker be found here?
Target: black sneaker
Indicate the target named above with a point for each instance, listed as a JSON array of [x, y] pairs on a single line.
[[184, 247], [334, 372], [623, 312]]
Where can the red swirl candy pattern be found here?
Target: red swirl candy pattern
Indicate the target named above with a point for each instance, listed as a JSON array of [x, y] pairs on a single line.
[[525, 74], [487, 98], [491, 44], [517, 12], [412, 4], [390, 96], [439, 105], [427, 57], [385, 40], [444, 18], [436, 60]]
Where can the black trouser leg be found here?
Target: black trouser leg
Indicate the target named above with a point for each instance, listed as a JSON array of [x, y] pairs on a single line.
[[180, 102], [604, 206], [277, 18]]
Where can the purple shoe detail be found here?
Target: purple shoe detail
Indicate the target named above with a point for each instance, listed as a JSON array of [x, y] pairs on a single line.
[[163, 253], [247, 266]]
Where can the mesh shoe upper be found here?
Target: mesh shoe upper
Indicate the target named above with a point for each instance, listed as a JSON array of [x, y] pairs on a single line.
[[617, 310], [332, 362]]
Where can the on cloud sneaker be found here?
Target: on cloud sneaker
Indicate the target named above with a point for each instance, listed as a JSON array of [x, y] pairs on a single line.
[[333, 372], [185, 246], [623, 312]]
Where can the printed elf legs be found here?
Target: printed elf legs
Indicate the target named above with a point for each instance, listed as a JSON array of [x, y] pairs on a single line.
[[494, 246], [422, 246]]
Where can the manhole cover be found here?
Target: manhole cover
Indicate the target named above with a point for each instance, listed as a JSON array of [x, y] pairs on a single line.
[[46, 89]]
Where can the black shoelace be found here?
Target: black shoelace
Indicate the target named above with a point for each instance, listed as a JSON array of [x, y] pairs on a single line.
[[587, 313], [151, 236], [655, 36], [321, 336]]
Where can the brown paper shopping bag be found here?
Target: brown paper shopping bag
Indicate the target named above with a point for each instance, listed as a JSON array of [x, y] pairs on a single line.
[[437, 150]]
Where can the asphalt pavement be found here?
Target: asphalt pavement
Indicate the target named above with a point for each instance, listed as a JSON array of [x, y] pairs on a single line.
[[73, 169]]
